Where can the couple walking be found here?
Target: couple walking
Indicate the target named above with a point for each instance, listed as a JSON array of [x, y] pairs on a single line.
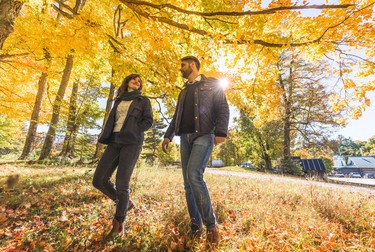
[[201, 120]]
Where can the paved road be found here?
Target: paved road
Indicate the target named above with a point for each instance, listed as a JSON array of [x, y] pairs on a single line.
[[363, 181], [284, 179]]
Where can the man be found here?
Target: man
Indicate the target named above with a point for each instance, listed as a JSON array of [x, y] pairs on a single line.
[[201, 120]]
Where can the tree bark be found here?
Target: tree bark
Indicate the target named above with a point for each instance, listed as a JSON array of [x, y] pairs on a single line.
[[99, 146], [50, 137], [287, 96], [263, 147], [72, 125], [263, 151], [268, 161], [9, 10], [286, 140], [288, 112], [30, 138]]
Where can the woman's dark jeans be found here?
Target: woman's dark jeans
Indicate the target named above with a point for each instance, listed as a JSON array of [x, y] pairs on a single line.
[[124, 157]]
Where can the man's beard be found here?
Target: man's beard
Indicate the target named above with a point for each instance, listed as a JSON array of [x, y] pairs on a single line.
[[186, 73]]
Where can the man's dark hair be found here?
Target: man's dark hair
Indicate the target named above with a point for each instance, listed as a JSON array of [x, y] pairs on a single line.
[[191, 59]]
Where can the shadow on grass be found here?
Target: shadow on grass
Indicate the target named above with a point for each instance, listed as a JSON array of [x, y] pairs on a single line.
[[51, 190]]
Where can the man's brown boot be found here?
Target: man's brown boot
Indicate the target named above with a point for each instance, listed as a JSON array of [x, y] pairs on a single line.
[[212, 237]]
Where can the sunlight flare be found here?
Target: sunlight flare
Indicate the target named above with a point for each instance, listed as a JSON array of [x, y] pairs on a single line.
[[224, 83]]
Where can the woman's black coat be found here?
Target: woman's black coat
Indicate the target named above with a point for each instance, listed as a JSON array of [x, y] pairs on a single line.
[[137, 121]]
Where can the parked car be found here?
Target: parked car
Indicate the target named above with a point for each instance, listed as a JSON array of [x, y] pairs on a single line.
[[355, 175], [369, 175], [217, 163], [339, 175], [247, 165]]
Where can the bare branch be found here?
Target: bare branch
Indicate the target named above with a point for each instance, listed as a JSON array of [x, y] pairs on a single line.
[[161, 112], [157, 97], [115, 40], [78, 6], [70, 16], [63, 5], [71, 12], [113, 46], [357, 57], [117, 20]]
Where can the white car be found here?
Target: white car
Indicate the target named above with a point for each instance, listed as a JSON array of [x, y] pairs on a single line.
[[355, 175]]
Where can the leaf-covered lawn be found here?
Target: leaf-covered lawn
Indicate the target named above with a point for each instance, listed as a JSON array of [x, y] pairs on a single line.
[[57, 209]]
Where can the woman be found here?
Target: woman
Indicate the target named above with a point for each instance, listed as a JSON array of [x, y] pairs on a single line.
[[130, 116]]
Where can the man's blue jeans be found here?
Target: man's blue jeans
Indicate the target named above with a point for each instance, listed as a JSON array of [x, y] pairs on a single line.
[[195, 151]]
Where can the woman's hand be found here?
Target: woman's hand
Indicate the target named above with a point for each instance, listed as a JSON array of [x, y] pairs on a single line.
[[165, 143]]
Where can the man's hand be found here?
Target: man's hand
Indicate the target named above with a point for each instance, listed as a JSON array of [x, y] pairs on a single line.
[[219, 140], [165, 143]]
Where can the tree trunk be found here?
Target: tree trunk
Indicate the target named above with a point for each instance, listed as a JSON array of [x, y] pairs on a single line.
[[288, 94], [267, 159], [9, 10], [264, 154], [50, 137], [30, 138], [262, 146], [286, 148], [99, 146], [72, 125]]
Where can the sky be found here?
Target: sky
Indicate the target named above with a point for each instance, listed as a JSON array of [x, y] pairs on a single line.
[[363, 128]]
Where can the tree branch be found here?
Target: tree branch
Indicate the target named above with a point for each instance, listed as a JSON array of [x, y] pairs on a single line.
[[65, 14], [159, 105], [134, 5], [63, 5], [5, 59], [235, 13], [356, 56], [167, 21], [113, 46], [79, 4], [5, 56]]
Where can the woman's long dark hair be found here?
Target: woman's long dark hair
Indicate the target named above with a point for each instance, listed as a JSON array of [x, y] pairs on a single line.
[[124, 85]]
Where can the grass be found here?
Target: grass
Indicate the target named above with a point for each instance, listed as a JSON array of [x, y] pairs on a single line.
[[57, 209]]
